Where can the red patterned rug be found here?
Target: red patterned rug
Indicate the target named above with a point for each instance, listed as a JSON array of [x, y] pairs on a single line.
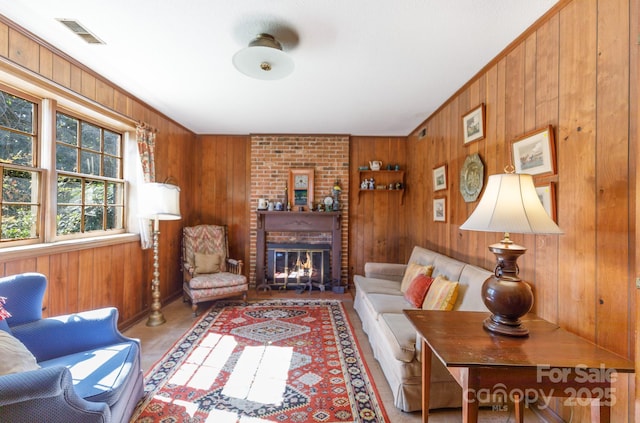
[[287, 361]]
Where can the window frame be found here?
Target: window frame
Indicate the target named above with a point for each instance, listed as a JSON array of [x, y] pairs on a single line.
[[85, 176], [48, 99]]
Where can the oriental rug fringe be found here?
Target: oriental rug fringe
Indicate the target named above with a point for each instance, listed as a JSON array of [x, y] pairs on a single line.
[[287, 361]]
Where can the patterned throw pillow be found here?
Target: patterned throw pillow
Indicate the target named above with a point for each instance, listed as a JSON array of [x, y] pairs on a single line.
[[3, 312], [418, 290], [410, 273], [208, 263], [442, 295]]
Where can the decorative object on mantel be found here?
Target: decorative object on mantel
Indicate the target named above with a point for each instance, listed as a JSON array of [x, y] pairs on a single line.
[[335, 193], [510, 204], [471, 178], [473, 124], [158, 202], [264, 59], [301, 189]]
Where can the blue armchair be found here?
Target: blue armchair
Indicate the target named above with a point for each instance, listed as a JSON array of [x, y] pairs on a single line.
[[89, 371]]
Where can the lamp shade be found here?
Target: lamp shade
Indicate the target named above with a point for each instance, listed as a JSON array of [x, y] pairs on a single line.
[[264, 59], [510, 203], [159, 201]]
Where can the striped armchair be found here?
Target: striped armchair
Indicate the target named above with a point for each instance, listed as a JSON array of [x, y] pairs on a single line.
[[208, 272]]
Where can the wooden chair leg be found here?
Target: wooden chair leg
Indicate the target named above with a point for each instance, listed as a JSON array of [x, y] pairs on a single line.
[[194, 307]]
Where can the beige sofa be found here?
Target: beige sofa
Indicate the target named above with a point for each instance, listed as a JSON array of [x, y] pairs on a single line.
[[379, 303]]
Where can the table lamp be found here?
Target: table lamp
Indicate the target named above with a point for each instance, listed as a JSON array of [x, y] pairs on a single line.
[[510, 203], [158, 202]]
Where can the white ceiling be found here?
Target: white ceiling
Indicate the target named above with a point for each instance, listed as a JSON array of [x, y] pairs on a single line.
[[362, 67]]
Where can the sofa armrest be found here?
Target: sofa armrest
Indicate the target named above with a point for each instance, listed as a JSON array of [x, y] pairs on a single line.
[[29, 396], [388, 271], [63, 335]]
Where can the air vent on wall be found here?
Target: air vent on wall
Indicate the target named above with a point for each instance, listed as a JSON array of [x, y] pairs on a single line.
[[82, 32]]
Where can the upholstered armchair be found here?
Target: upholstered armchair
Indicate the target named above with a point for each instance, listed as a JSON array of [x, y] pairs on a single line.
[[209, 273], [72, 368]]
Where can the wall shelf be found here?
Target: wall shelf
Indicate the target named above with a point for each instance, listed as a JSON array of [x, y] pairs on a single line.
[[383, 177]]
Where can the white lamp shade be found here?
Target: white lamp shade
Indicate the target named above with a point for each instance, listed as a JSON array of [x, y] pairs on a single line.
[[510, 203], [159, 201], [264, 59]]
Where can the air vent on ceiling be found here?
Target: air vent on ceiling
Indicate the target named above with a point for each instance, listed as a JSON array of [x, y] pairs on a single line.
[[82, 32]]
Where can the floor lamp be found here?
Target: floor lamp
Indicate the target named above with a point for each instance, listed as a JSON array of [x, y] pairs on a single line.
[[510, 203], [158, 202]]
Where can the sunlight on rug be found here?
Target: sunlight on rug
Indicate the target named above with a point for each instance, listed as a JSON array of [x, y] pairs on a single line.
[[266, 361]]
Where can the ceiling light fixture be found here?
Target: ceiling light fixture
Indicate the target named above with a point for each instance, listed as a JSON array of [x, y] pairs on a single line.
[[264, 59]]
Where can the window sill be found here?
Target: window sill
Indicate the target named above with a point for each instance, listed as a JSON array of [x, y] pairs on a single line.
[[36, 250]]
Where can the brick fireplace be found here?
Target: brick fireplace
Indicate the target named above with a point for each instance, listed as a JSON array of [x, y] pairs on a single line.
[[271, 158]]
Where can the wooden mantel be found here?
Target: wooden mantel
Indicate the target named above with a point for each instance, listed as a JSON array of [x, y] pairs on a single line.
[[284, 221]]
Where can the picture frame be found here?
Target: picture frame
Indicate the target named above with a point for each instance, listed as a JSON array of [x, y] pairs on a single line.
[[440, 209], [473, 124], [440, 177], [534, 152], [547, 195], [300, 189]]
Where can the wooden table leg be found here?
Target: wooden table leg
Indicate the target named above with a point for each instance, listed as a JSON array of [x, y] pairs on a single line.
[[426, 380], [600, 412], [518, 403], [469, 405]]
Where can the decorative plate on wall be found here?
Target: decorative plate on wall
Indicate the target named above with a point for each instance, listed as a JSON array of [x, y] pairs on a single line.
[[471, 178]]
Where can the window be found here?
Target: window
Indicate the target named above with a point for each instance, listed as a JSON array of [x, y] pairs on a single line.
[[90, 186], [62, 170], [20, 201]]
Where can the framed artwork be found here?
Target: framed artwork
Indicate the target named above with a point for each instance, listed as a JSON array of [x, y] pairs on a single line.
[[440, 177], [301, 189], [547, 196], [440, 209], [473, 124], [534, 153]]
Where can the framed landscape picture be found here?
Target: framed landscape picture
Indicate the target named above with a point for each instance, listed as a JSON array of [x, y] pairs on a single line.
[[534, 153], [473, 124], [440, 209], [440, 177]]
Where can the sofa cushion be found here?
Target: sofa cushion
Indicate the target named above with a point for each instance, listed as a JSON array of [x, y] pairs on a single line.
[[418, 290], [100, 375], [217, 280], [470, 289], [400, 334], [449, 267], [208, 263], [373, 285], [15, 356], [386, 303], [442, 295], [413, 270]]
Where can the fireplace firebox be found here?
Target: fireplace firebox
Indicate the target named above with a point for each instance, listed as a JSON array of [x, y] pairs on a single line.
[[298, 265]]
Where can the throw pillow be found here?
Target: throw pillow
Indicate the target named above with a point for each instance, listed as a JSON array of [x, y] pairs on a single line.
[[418, 290], [410, 273], [442, 295], [208, 263], [15, 356]]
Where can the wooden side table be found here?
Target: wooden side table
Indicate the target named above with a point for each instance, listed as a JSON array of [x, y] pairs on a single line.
[[550, 362]]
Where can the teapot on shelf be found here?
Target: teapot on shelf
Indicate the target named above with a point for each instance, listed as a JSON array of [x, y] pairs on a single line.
[[375, 164]]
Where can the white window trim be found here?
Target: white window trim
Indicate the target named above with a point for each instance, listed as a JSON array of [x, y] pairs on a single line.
[[51, 96]]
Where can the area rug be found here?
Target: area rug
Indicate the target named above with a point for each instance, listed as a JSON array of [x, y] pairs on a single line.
[[267, 361]]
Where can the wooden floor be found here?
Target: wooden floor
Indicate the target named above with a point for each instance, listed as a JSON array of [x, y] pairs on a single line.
[[157, 340]]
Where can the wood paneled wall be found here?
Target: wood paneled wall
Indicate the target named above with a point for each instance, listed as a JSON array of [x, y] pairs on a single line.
[[222, 177], [378, 220], [572, 71], [116, 275]]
